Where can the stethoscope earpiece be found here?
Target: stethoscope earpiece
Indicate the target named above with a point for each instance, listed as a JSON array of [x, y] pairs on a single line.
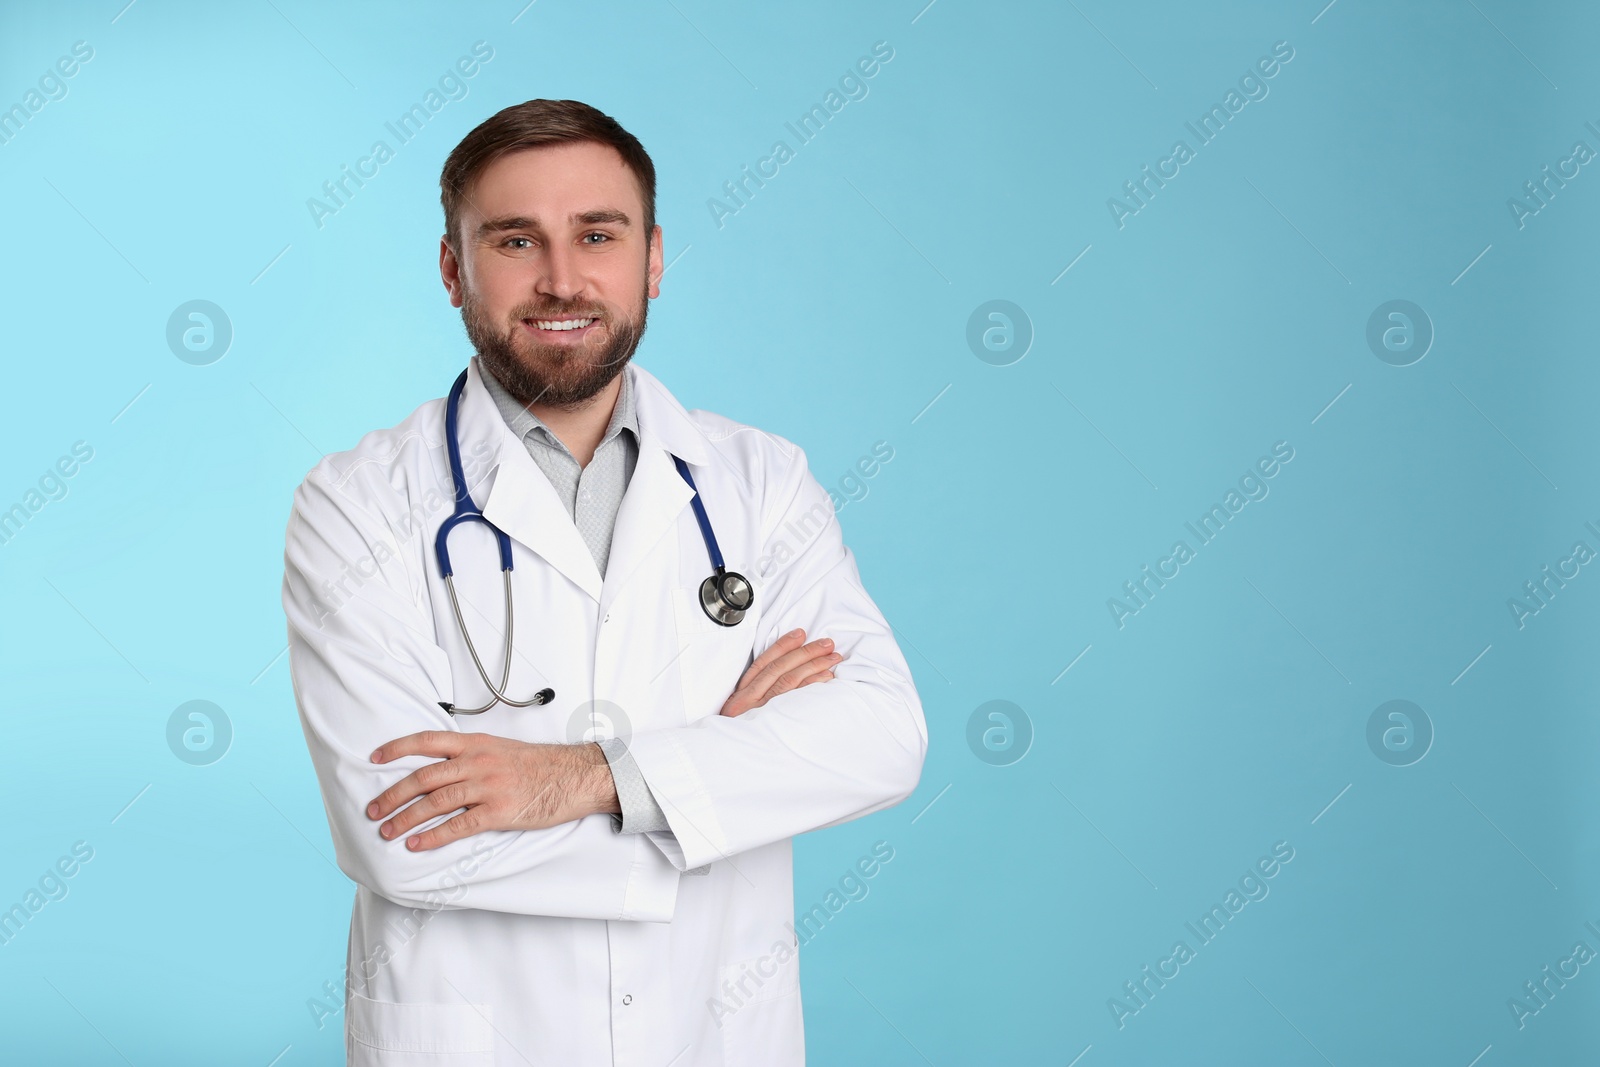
[[543, 696]]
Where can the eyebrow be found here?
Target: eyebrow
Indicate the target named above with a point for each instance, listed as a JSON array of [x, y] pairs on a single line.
[[595, 217]]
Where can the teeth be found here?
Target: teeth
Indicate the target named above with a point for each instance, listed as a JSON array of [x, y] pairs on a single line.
[[562, 324]]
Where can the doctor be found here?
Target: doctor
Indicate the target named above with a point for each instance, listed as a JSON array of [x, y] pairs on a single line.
[[595, 869]]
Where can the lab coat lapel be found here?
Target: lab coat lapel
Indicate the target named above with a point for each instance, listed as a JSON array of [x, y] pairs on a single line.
[[522, 502], [657, 495]]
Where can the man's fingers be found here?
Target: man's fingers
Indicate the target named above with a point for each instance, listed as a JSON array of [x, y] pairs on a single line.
[[789, 661], [420, 781], [814, 670], [427, 743], [788, 641], [796, 676], [787, 665], [820, 676], [446, 798], [466, 824]]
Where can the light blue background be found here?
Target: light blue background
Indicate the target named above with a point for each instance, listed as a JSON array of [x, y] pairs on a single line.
[[1228, 715]]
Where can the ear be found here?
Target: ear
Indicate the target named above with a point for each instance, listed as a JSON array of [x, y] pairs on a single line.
[[655, 266], [450, 273]]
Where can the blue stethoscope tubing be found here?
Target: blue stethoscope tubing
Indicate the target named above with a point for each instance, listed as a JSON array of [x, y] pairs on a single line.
[[725, 596]]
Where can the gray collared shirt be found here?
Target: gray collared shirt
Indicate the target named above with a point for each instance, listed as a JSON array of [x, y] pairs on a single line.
[[592, 495]]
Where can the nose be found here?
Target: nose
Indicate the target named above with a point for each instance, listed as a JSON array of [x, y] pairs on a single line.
[[559, 275]]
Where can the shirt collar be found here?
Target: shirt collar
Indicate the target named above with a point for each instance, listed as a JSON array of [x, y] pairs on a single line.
[[524, 422]]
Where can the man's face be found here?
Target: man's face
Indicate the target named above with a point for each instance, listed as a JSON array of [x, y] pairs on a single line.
[[555, 270]]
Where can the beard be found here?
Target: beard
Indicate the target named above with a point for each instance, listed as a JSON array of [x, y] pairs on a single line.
[[563, 376]]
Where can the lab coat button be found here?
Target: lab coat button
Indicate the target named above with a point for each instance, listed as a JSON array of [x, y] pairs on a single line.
[[627, 998]]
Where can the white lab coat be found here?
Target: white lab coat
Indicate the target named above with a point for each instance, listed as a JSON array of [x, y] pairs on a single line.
[[577, 945]]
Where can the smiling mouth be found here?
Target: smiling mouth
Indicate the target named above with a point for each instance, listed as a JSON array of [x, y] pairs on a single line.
[[561, 325]]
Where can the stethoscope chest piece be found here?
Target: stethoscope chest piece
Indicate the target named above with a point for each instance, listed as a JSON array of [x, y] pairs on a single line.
[[726, 596]]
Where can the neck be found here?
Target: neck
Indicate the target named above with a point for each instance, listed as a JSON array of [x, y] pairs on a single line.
[[581, 429]]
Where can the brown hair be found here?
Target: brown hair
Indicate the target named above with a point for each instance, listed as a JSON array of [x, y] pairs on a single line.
[[533, 124]]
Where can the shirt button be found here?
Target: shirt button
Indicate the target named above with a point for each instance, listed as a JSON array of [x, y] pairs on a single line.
[[627, 998]]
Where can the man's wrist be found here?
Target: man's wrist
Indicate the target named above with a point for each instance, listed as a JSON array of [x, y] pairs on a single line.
[[596, 787]]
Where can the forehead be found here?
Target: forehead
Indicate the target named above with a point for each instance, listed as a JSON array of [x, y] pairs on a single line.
[[553, 182]]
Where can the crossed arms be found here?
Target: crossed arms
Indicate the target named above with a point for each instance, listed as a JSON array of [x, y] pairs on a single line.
[[517, 785], [785, 757]]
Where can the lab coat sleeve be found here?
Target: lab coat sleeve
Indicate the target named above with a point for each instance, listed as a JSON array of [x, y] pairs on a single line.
[[366, 669], [641, 813], [813, 757]]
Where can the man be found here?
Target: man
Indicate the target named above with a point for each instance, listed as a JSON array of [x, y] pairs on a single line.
[[524, 893]]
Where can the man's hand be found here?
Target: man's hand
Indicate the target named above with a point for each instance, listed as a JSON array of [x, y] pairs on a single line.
[[502, 784], [787, 665], [513, 785]]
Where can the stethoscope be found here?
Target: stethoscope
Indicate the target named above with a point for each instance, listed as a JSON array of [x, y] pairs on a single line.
[[725, 596]]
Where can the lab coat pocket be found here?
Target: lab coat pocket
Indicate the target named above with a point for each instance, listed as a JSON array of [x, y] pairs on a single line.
[[710, 657], [385, 1034], [765, 1028]]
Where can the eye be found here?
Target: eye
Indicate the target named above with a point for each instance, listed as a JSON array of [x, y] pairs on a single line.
[[606, 236], [508, 240]]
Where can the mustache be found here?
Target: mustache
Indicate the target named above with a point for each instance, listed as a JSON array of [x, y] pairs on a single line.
[[559, 313]]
